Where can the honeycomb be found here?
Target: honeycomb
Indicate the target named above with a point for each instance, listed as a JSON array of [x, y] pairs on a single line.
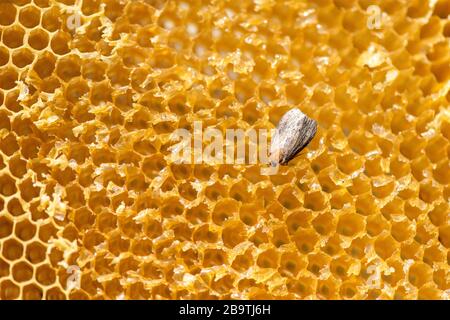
[[91, 207]]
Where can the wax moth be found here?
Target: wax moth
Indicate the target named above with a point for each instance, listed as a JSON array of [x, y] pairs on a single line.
[[294, 132]]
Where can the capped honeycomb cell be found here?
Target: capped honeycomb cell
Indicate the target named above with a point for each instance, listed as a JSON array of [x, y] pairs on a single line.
[[92, 205]]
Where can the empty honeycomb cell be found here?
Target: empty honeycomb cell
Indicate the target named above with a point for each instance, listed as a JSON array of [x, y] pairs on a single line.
[[224, 210], [288, 199], [4, 268], [93, 70], [438, 215], [214, 257], [410, 250], [303, 287], [22, 57], [433, 255], [365, 205], [298, 220], [280, 237], [360, 185], [429, 192], [439, 277], [32, 292], [417, 9], [339, 267], [431, 28], [321, 162], [4, 56], [27, 190], [81, 295], [55, 293], [382, 188], [38, 39], [268, 259], [315, 201], [76, 89], [424, 233], [25, 230], [29, 148], [98, 200], [419, 168], [233, 233], [172, 208], [429, 293], [259, 237], [60, 43], [50, 84], [128, 264], [327, 289], [248, 215], [8, 78], [9, 144], [373, 167], [349, 290], [51, 19], [9, 13], [6, 227], [8, 186], [117, 244], [357, 247], [92, 240], [9, 290], [441, 9], [12, 249], [83, 218], [35, 252], [130, 228], [68, 67], [143, 247], [153, 228], [402, 230], [385, 246], [29, 16], [412, 211], [376, 224], [204, 172], [305, 241], [23, 127], [13, 36], [340, 198], [444, 235], [46, 232], [350, 224], [419, 274], [332, 246], [75, 196], [134, 57], [22, 271]]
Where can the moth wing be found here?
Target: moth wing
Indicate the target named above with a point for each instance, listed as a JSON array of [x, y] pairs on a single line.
[[299, 136]]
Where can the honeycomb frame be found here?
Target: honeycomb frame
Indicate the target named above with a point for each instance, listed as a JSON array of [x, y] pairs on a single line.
[[91, 207]]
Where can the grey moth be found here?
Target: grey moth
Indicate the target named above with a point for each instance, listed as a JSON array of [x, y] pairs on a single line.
[[294, 132]]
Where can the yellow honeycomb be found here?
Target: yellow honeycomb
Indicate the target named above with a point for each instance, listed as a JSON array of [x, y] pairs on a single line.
[[91, 90]]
